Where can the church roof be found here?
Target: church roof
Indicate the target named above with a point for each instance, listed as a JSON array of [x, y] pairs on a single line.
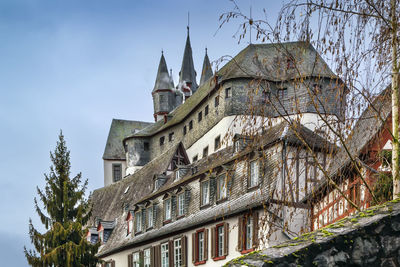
[[163, 80], [206, 72], [118, 131], [187, 72]]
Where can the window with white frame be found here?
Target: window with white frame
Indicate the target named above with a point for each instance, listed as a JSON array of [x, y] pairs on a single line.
[[249, 232], [254, 173], [222, 187], [205, 193], [167, 209], [149, 218], [138, 221], [130, 225], [178, 252], [181, 204], [147, 257], [200, 241], [220, 240], [164, 255], [136, 259]]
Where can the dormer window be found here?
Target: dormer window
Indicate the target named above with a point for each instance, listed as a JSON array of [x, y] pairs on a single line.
[[184, 130], [167, 209], [181, 204], [217, 143], [171, 137], [216, 101], [190, 125], [150, 217], [205, 152], [221, 187], [138, 222], [177, 175], [236, 146], [129, 221], [200, 116], [206, 111], [205, 193], [195, 158]]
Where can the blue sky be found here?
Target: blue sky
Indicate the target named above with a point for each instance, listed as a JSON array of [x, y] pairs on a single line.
[[74, 65]]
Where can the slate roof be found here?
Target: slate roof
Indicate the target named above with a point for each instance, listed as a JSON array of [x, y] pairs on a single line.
[[206, 72], [163, 80], [142, 188], [118, 131], [270, 61], [364, 131], [109, 201], [270, 58], [187, 72]]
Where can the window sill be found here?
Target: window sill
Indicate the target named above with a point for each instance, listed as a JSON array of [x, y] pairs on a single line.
[[219, 258], [150, 228], [180, 217], [138, 233], [205, 206], [167, 222], [222, 200], [247, 251], [253, 188], [199, 263]]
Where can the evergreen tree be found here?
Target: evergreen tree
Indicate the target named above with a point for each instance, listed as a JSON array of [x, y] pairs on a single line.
[[66, 212]]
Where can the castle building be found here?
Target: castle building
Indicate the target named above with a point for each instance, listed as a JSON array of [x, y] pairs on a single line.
[[222, 171]]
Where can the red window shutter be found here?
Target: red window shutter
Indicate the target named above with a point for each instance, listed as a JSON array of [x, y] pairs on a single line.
[[171, 252], [184, 251], [255, 229], [194, 248], [157, 256], [240, 233], [113, 264], [214, 243], [103, 265], [226, 239], [206, 244], [130, 263]]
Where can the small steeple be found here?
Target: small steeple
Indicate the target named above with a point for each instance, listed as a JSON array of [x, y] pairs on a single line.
[[206, 72], [163, 80], [187, 73]]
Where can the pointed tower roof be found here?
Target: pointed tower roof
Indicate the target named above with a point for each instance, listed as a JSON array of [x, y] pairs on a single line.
[[163, 80], [187, 72], [206, 72]]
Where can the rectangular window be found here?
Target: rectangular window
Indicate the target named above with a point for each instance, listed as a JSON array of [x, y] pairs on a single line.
[[117, 172], [228, 92], [171, 137], [136, 259], [221, 189], [236, 146], [249, 232], [282, 93], [184, 130], [149, 217], [217, 143], [206, 111], [147, 257], [130, 226], [138, 221], [200, 242], [190, 125], [205, 152], [177, 252], [254, 173], [195, 158], [200, 116], [162, 140], [205, 193], [181, 204], [220, 240], [164, 255], [146, 146], [216, 101], [167, 209]]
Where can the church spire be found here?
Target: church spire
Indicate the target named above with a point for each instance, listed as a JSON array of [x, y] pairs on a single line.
[[163, 80], [187, 73], [206, 72]]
